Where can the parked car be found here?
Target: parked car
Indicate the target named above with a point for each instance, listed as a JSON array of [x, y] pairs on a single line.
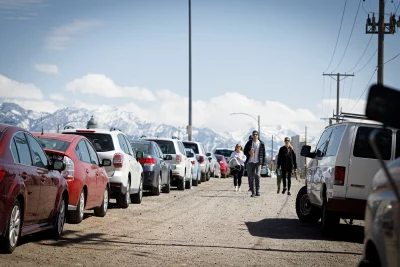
[[273, 174], [201, 157], [33, 194], [180, 164], [125, 174], [196, 174], [226, 152], [156, 170], [265, 172], [213, 163], [340, 173], [87, 179], [224, 166]]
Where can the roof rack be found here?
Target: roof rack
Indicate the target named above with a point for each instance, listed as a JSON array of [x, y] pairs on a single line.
[[174, 137], [115, 129]]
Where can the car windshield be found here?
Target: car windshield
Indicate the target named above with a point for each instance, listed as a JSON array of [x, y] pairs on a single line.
[[192, 146], [54, 144], [101, 142], [224, 152], [167, 147], [143, 147]]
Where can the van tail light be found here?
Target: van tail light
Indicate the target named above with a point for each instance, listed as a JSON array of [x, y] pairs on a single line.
[[118, 160], [2, 174], [339, 175], [148, 161], [68, 173], [201, 159], [178, 159]]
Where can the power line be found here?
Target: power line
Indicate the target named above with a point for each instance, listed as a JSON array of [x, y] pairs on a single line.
[[337, 39], [364, 89], [351, 34], [398, 5], [368, 61], [362, 55], [392, 58], [364, 8]]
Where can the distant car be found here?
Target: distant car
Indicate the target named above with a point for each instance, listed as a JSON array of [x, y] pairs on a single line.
[[213, 163], [156, 170], [33, 193], [265, 172], [224, 166], [201, 156], [196, 174], [273, 174], [226, 152], [87, 179]]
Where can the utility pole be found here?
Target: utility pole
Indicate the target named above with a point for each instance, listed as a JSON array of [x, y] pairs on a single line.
[[189, 128], [305, 158], [382, 29], [272, 152], [338, 75], [259, 128]]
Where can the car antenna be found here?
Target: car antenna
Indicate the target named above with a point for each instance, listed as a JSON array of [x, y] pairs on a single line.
[[41, 121]]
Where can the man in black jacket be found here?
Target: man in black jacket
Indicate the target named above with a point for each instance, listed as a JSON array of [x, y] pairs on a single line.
[[255, 153], [287, 163]]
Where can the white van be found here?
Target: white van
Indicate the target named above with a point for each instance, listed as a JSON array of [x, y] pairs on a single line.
[[339, 176]]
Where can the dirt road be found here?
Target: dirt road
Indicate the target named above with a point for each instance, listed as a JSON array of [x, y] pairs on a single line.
[[210, 225]]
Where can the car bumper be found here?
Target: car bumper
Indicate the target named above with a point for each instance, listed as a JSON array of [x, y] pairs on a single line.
[[348, 208], [178, 170], [203, 168], [117, 188]]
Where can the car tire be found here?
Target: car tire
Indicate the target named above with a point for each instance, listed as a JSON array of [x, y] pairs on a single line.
[[156, 191], [137, 198], [167, 188], [329, 218], [60, 219], [12, 234], [181, 184], [76, 216], [208, 175], [203, 177], [305, 211], [123, 200], [196, 180], [102, 210], [188, 184]]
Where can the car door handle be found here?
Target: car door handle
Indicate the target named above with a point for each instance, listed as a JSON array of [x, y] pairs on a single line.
[[87, 171]]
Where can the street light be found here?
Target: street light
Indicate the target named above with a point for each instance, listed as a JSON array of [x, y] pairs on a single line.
[[258, 120], [189, 128]]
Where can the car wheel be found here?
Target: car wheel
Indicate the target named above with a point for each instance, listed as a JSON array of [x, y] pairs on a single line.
[[137, 198], [196, 180], [60, 220], [329, 218], [305, 211], [76, 216], [123, 200], [13, 229], [208, 175], [189, 184], [167, 187], [156, 191], [102, 210]]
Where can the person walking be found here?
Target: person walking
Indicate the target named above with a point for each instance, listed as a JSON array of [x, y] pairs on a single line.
[[245, 165], [237, 166], [255, 152], [286, 164]]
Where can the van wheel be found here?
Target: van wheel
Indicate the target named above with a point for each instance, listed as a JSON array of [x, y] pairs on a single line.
[[13, 229], [329, 218], [305, 211]]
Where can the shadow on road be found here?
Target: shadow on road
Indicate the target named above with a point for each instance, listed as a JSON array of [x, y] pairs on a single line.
[[281, 228]]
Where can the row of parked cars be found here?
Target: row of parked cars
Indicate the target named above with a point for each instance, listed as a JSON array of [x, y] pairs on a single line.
[[47, 179]]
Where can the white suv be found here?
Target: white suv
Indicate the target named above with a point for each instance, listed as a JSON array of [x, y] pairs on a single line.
[[126, 173], [181, 165], [340, 173]]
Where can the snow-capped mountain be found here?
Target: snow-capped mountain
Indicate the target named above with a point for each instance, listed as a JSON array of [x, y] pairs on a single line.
[[133, 126]]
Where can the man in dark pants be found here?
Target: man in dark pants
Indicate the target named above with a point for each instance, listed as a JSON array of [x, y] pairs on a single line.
[[255, 153], [245, 164], [287, 163]]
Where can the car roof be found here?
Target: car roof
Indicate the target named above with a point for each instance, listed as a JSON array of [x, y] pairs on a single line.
[[142, 141], [83, 130], [4, 127], [58, 136], [160, 138]]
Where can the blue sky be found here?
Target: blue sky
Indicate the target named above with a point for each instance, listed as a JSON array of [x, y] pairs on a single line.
[[270, 53]]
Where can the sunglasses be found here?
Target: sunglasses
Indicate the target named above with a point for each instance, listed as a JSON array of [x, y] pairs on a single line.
[[255, 134], [287, 140]]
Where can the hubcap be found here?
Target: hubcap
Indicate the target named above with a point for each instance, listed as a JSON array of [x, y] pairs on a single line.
[[305, 205], [81, 204], [105, 201], [61, 217], [14, 227], [128, 189]]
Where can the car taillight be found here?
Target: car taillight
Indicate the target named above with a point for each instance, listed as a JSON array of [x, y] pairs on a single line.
[[2, 174], [339, 175], [68, 173], [118, 160], [201, 159], [192, 162], [148, 161], [178, 159]]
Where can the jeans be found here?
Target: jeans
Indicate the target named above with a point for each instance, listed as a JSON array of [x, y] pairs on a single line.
[[237, 177], [286, 174], [253, 170]]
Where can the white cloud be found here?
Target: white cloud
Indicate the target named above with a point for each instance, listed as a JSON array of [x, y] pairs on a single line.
[[58, 97], [14, 89], [36, 105], [48, 68], [60, 37], [98, 84], [17, 4]]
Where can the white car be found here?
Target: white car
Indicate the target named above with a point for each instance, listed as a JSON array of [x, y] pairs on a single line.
[[201, 156], [126, 173], [340, 174], [181, 165]]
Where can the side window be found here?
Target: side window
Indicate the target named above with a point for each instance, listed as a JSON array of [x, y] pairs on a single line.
[[363, 149], [202, 147], [159, 151], [38, 156], [84, 152], [78, 152], [323, 142], [182, 148], [122, 143], [23, 149], [130, 150], [93, 155], [398, 144], [14, 151], [334, 141]]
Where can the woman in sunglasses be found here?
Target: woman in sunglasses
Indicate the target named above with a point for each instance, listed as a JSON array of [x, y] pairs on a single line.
[[237, 164], [286, 163]]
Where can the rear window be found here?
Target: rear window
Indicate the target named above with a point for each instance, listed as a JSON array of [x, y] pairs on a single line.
[[362, 148], [143, 147], [100, 142], [167, 147], [219, 158], [192, 146], [54, 144], [224, 152]]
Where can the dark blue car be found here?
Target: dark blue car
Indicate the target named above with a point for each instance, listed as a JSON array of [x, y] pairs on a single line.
[[156, 170]]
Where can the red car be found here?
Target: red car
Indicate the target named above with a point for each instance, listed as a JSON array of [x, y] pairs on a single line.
[[87, 179], [33, 194], [225, 170]]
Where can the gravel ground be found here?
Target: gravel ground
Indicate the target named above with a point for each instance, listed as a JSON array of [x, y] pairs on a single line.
[[210, 225]]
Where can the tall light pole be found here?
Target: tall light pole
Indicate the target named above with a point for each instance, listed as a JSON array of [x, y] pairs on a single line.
[[189, 129], [256, 119]]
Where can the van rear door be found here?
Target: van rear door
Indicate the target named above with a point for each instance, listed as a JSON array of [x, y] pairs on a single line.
[[363, 162]]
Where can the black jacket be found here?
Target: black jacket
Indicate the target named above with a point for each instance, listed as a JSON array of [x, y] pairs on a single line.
[[286, 159], [261, 151]]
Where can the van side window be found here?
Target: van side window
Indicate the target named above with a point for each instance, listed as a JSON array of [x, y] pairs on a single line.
[[397, 144], [362, 148], [323, 143], [335, 139]]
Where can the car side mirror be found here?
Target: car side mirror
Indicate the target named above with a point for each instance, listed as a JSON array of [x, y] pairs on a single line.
[[306, 152], [210, 159], [106, 163], [58, 166], [167, 157], [139, 155]]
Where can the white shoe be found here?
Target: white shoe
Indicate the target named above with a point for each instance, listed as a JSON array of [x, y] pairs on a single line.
[[239, 189], [236, 189]]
